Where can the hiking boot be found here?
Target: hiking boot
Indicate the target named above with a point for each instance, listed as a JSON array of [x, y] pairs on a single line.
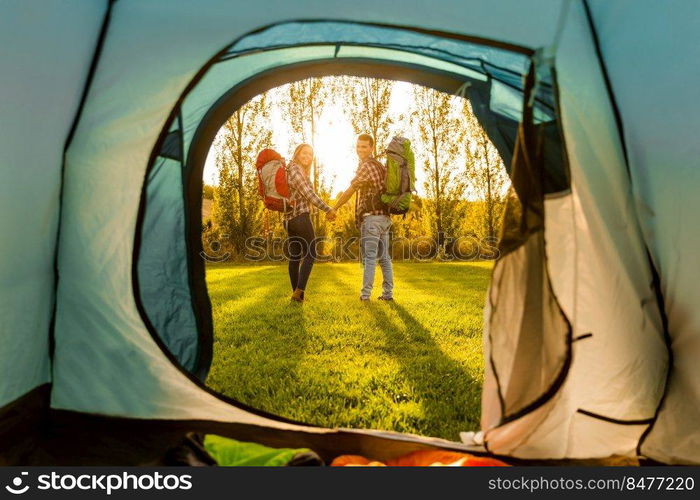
[[388, 299], [364, 299], [298, 295]]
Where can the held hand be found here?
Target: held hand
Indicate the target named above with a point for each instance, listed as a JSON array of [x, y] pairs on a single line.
[[330, 215]]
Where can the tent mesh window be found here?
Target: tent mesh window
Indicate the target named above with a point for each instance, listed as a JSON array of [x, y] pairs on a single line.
[[529, 335]]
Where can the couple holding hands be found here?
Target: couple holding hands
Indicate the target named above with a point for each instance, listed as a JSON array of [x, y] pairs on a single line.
[[371, 217]]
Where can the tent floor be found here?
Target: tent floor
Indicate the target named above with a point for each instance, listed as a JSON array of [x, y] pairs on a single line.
[[33, 434]]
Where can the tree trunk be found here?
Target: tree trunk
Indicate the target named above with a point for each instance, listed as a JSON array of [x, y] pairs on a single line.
[[489, 194], [239, 186], [438, 193], [314, 166]]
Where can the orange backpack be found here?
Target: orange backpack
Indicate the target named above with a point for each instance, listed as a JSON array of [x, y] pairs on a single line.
[[272, 180]]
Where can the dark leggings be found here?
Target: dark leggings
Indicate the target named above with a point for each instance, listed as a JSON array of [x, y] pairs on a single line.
[[301, 249]]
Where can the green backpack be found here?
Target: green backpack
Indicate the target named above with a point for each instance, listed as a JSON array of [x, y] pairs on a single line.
[[400, 176]]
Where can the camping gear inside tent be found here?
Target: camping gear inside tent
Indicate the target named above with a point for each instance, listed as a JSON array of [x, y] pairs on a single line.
[[108, 109], [232, 453], [422, 458]]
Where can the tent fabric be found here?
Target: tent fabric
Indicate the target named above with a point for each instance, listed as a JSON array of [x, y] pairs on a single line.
[[601, 277], [628, 190], [162, 265], [654, 79], [529, 336], [531, 358], [491, 60], [164, 271], [229, 72], [78, 438], [41, 84]]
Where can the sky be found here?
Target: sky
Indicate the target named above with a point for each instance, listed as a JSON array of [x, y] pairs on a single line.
[[335, 141]]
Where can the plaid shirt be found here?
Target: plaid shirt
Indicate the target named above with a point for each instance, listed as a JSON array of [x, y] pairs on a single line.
[[369, 182], [302, 194]]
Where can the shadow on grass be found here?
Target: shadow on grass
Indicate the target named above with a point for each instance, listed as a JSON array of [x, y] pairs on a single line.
[[442, 385], [308, 364], [452, 278], [240, 271], [258, 344]]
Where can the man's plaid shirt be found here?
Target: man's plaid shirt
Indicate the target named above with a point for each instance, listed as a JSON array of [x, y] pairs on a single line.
[[369, 182], [302, 195]]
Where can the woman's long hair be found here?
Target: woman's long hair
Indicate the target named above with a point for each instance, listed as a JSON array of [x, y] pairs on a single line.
[[297, 152]]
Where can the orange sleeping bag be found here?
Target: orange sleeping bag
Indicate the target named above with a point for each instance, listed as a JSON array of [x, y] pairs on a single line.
[[422, 458]]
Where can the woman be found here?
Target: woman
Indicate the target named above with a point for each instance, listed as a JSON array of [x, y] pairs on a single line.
[[297, 221]]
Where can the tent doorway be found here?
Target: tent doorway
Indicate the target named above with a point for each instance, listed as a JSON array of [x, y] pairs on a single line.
[[501, 97], [412, 365]]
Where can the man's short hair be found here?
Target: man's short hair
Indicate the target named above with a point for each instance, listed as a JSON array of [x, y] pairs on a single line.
[[366, 137]]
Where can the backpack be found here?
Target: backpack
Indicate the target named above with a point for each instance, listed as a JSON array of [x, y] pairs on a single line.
[[400, 176], [272, 180]]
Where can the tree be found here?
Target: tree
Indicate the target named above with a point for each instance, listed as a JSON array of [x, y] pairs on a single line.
[[208, 191], [440, 134], [485, 171], [236, 209], [370, 99], [303, 109]]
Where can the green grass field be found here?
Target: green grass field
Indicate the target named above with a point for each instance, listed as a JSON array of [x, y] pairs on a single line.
[[414, 365]]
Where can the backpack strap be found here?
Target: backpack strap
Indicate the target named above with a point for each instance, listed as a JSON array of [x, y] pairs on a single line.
[[377, 198]]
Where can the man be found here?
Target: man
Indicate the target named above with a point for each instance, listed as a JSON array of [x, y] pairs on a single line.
[[371, 217]]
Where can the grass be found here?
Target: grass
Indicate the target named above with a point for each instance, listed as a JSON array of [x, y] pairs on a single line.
[[414, 365]]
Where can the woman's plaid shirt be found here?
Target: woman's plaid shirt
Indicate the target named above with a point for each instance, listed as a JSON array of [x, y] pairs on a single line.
[[369, 182], [302, 195]]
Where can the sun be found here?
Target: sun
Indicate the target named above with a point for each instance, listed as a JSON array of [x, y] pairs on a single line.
[[335, 148]]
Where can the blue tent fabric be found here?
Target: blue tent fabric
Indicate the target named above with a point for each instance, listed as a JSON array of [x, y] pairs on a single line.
[[295, 34], [650, 52], [163, 272], [41, 83]]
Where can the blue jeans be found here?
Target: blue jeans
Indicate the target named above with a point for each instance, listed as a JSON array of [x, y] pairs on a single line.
[[374, 242]]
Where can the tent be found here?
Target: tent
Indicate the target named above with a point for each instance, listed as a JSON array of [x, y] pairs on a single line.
[[108, 108]]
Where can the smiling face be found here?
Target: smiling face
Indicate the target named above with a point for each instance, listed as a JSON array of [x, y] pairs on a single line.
[[363, 148], [305, 156]]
